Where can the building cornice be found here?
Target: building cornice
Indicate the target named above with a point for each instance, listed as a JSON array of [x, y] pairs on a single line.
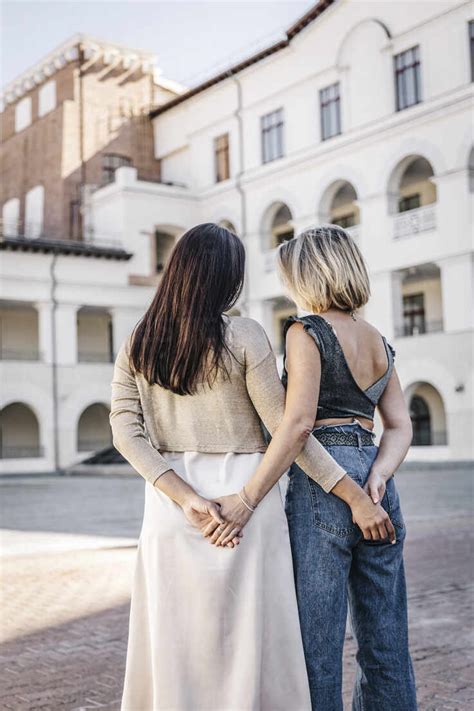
[[93, 49], [64, 247]]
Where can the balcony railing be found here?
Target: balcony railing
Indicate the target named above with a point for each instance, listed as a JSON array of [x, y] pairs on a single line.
[[30, 354], [431, 439], [405, 331], [411, 222], [21, 451], [91, 445], [91, 357], [18, 229]]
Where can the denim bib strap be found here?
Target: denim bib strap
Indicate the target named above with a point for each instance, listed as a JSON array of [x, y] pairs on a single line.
[[339, 394]]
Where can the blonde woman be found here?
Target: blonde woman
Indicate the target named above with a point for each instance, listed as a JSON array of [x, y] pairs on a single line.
[[340, 368]]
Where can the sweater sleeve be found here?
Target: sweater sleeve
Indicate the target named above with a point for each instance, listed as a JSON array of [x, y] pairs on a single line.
[[268, 397], [126, 421]]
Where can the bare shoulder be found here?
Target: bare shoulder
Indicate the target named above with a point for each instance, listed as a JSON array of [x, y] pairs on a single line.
[[296, 333], [368, 329], [300, 340]]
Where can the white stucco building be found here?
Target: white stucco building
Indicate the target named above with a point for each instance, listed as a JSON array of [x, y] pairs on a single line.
[[361, 115]]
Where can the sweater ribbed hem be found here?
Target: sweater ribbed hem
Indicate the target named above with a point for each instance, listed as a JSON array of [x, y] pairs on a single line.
[[211, 448]]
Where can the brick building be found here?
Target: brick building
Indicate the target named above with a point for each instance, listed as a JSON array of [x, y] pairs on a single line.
[[67, 124]]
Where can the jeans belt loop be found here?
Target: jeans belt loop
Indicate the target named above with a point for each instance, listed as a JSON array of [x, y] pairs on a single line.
[[359, 441]]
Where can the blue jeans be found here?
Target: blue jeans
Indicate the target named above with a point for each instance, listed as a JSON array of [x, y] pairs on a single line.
[[335, 567]]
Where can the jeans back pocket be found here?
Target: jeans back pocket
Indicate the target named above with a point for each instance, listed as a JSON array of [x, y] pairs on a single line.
[[329, 512]]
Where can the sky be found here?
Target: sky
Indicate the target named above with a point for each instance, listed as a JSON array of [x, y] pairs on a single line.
[[192, 38]]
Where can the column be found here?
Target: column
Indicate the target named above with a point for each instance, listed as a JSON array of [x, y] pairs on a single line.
[[66, 334], [258, 309], [45, 331], [384, 309], [457, 285], [123, 322], [454, 211]]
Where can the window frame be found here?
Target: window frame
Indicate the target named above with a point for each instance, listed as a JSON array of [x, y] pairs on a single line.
[[400, 75], [405, 200], [272, 136], [123, 162], [47, 98], [325, 109], [23, 115], [414, 314], [470, 29], [222, 152]]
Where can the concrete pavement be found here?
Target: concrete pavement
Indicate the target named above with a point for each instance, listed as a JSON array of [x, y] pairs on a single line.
[[67, 563]]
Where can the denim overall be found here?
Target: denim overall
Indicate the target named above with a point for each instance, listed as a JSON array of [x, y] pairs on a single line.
[[335, 568]]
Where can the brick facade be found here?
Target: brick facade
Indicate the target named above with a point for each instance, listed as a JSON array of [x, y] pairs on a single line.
[[101, 108]]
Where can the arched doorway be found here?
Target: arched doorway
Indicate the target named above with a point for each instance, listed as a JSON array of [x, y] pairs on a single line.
[[228, 226], [411, 196], [277, 225], [421, 421], [93, 429], [428, 415], [19, 432], [338, 206]]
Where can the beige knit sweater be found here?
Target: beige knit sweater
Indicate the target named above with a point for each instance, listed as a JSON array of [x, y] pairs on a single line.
[[223, 418]]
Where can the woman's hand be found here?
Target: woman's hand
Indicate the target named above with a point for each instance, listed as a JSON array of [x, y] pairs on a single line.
[[375, 486], [236, 515], [199, 511], [206, 516], [372, 519]]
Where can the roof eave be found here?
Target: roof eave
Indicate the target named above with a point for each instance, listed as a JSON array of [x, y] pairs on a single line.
[[295, 29], [64, 247]]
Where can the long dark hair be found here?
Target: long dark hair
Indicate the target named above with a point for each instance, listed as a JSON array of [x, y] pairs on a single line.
[[180, 341]]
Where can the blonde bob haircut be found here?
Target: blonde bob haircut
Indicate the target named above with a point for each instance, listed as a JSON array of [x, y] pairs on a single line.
[[323, 268]]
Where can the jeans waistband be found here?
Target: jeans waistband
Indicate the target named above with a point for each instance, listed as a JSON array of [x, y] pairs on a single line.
[[345, 439]]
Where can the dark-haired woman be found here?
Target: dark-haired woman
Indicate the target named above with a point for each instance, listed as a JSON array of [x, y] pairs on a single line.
[[213, 627]]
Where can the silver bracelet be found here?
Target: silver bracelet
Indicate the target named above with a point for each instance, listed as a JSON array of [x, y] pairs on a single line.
[[247, 505]]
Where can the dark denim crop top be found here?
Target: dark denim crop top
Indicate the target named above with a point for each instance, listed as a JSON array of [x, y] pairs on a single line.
[[339, 394]]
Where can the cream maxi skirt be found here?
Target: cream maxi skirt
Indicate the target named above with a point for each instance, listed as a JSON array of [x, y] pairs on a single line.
[[214, 629]]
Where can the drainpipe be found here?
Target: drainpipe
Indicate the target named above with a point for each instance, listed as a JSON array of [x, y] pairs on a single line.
[[239, 186], [54, 366], [81, 142]]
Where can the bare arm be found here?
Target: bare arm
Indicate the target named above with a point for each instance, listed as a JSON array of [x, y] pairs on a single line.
[[304, 378], [395, 440], [297, 423], [291, 425]]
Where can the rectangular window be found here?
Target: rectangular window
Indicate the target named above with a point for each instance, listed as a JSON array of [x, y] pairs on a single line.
[[346, 221], [47, 98], [407, 78], [414, 314], [330, 107], [110, 163], [272, 136], [410, 202], [23, 114], [471, 47], [221, 157]]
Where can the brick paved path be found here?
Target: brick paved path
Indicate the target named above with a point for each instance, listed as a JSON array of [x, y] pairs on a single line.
[[65, 612]]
